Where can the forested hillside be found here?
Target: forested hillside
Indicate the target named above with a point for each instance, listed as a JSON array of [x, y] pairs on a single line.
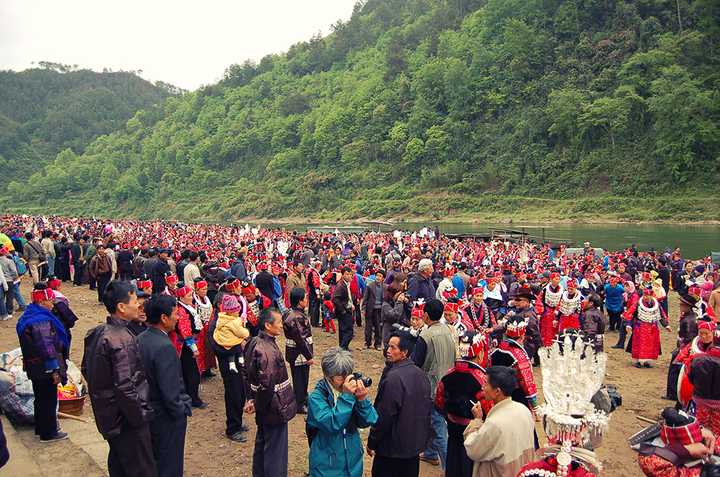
[[54, 107], [542, 108]]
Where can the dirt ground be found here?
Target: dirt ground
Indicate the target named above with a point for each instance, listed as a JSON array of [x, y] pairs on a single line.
[[209, 453]]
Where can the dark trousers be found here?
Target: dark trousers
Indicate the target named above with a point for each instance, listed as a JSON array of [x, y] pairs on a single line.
[[102, 281], [458, 463], [234, 397], [372, 328], [79, 272], [131, 453], [190, 374], [300, 380], [45, 405], [314, 310], [622, 334], [357, 314], [92, 281], [615, 321], [168, 444], [673, 374], [270, 455], [396, 467], [345, 323]]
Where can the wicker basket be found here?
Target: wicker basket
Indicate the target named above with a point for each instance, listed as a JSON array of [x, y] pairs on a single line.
[[72, 406]]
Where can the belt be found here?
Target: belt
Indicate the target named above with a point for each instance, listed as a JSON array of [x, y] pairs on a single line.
[[292, 344], [283, 385]]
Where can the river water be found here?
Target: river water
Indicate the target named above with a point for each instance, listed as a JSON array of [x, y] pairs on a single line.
[[695, 241]]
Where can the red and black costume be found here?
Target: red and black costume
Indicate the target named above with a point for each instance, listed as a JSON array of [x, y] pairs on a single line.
[[669, 460], [456, 392], [511, 353], [479, 315]]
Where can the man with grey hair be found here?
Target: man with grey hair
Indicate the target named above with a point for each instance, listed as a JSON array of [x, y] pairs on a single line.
[[338, 407], [420, 285]]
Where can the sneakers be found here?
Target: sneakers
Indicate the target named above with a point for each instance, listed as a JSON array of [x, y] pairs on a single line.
[[59, 436], [238, 437], [5, 318]]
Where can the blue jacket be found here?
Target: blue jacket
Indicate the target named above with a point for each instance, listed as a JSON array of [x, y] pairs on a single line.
[[614, 297], [336, 449], [459, 285]]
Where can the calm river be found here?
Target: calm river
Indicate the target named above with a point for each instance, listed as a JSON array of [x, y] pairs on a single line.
[[694, 240]]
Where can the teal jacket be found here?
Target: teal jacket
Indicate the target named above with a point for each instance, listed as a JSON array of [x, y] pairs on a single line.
[[336, 449]]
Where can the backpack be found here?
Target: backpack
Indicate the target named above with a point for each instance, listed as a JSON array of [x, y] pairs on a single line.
[[20, 265]]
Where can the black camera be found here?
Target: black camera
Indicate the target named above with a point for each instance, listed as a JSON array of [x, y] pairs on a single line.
[[367, 382]]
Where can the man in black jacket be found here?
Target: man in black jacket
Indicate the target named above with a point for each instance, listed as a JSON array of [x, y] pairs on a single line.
[[118, 388], [298, 346], [372, 305], [271, 395], [168, 398], [403, 405], [344, 307]]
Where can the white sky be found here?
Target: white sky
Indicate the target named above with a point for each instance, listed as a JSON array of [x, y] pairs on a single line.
[[186, 43]]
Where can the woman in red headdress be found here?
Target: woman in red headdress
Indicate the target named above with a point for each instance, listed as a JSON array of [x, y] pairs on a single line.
[[644, 326], [187, 330], [478, 313], [204, 307], [551, 296]]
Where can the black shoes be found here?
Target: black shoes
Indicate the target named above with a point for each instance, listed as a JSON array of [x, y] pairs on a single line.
[[302, 409], [199, 405], [59, 436]]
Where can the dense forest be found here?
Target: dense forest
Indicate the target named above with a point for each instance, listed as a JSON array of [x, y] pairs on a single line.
[[433, 108], [56, 107]]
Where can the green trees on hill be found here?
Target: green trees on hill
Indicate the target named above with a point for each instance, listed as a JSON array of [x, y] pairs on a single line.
[[428, 107], [57, 107]]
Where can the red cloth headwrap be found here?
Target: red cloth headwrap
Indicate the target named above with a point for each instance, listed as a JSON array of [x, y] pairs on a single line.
[[683, 435], [42, 295]]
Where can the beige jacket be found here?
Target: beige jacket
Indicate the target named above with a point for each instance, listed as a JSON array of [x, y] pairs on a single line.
[[504, 443]]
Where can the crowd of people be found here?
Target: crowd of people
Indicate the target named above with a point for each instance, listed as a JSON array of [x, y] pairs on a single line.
[[461, 324]]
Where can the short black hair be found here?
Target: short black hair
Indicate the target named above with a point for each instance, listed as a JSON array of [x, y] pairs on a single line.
[[159, 305], [346, 269], [503, 378], [405, 342], [267, 316], [595, 300], [434, 308], [296, 296], [28, 235], [117, 291], [40, 286], [381, 272], [192, 256]]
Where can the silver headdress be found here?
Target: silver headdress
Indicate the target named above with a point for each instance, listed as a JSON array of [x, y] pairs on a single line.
[[572, 374]]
